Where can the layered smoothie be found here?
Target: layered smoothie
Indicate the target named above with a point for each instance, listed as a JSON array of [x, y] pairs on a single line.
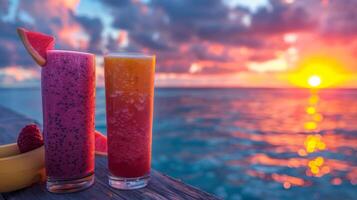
[[129, 85], [68, 95]]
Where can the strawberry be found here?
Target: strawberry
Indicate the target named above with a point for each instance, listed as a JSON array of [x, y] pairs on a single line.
[[29, 138]]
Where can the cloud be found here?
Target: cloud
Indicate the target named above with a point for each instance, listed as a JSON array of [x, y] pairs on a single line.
[[55, 17], [341, 20], [11, 50], [121, 3], [152, 41], [18, 76], [282, 18], [191, 20], [164, 27], [201, 37], [93, 27], [274, 65], [4, 7], [50, 17], [5, 59]]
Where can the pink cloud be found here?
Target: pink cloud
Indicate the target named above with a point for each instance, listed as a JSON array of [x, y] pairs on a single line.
[[17, 76]]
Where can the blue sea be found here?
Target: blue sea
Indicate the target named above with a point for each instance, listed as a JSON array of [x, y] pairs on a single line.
[[246, 143]]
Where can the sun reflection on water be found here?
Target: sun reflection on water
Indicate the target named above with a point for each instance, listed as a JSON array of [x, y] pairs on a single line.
[[312, 144], [314, 141]]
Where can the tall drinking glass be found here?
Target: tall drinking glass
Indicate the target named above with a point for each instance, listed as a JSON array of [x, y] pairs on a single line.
[[68, 98], [129, 87]]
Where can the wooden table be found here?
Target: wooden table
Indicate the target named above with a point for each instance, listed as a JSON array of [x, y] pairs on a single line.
[[160, 186]]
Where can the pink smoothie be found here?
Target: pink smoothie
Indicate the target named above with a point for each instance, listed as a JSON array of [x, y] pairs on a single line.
[[68, 99]]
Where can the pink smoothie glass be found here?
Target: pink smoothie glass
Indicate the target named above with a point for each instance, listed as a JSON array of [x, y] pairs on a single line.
[[68, 99]]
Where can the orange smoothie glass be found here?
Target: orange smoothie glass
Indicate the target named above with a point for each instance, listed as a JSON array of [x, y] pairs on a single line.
[[129, 90]]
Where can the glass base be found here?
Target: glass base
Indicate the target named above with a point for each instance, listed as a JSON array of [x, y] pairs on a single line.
[[128, 183], [67, 186]]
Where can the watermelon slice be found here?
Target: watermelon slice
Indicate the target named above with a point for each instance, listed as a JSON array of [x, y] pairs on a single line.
[[101, 147], [36, 44]]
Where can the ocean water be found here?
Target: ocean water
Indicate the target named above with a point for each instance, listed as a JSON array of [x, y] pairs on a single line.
[[246, 143]]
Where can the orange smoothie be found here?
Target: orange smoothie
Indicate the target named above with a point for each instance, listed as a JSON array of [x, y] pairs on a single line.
[[129, 87]]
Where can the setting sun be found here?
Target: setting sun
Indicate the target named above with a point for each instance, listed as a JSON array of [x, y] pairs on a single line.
[[314, 81], [318, 71]]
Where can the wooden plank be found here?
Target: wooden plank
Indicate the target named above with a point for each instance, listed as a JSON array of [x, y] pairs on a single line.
[[160, 186]]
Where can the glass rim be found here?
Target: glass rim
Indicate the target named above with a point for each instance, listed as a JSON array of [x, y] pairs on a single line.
[[129, 55], [70, 51]]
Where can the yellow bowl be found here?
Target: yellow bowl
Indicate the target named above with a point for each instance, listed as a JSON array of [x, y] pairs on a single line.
[[19, 170]]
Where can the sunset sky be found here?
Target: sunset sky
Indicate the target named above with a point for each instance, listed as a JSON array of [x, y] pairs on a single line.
[[201, 43]]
